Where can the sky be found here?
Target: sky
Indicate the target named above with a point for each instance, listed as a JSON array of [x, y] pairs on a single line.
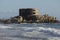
[[10, 8]]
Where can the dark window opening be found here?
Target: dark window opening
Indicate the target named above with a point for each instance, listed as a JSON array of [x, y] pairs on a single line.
[[33, 13], [33, 10]]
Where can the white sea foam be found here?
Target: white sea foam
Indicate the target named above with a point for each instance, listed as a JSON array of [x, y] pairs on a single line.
[[43, 29], [29, 33], [54, 38], [39, 29], [50, 30], [3, 26], [34, 31]]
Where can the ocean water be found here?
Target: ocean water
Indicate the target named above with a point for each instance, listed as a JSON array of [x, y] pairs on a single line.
[[30, 31]]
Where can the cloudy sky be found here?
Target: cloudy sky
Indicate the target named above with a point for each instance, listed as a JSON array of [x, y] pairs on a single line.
[[10, 8]]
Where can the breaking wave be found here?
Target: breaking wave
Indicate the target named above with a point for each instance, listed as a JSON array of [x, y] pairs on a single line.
[[51, 31], [38, 30], [30, 32], [3, 26]]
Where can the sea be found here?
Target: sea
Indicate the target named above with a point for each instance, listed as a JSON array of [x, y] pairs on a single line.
[[30, 31]]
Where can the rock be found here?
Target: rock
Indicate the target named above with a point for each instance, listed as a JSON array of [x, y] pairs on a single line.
[[31, 15], [20, 19]]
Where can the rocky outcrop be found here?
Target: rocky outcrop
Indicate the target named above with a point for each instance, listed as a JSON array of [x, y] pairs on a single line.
[[30, 15]]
